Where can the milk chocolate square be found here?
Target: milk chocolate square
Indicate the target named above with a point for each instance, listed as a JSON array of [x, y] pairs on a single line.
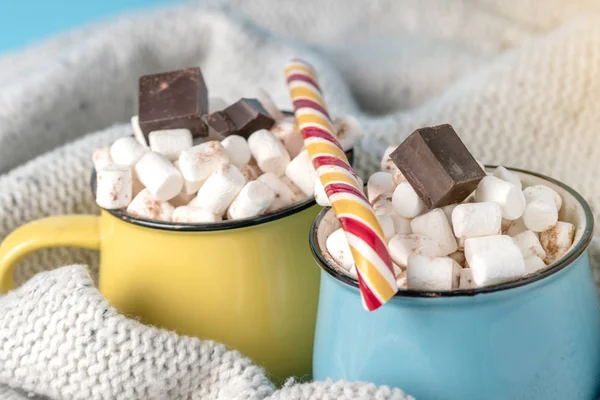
[[172, 100], [438, 165], [242, 118]]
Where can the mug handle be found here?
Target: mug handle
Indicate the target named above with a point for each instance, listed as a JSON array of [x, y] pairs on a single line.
[[58, 231]]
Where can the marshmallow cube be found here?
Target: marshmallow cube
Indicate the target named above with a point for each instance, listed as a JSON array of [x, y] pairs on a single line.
[[137, 131], [529, 244], [189, 187], [432, 273], [508, 176], [170, 142], [378, 183], [387, 165], [113, 186], [401, 225], [145, 205], [320, 194], [387, 225], [348, 131], [466, 279], [382, 205], [557, 240], [101, 158], [477, 219], [402, 246], [339, 250], [401, 280], [268, 104], [159, 176], [237, 150], [302, 173], [220, 189], [283, 194], [269, 153], [289, 134], [254, 199], [533, 264], [199, 162], [510, 199], [435, 225], [541, 212], [494, 259], [543, 191], [186, 214], [127, 151], [406, 201]]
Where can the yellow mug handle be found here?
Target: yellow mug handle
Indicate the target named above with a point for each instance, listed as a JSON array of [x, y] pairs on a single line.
[[63, 230]]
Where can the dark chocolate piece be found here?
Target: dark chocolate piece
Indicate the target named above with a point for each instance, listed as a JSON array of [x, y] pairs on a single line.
[[172, 100], [438, 165], [242, 118]]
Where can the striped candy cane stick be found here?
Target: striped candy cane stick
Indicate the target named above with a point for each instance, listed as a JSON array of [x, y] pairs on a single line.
[[365, 236]]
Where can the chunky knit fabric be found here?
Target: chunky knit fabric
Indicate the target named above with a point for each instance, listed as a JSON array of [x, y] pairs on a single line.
[[518, 79]]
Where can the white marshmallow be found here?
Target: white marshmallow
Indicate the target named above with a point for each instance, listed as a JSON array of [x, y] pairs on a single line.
[[113, 186], [270, 154], [477, 219], [289, 134], [557, 240], [401, 280], [220, 189], [269, 105], [508, 196], [127, 151], [302, 173], [382, 205], [250, 172], [543, 191], [254, 199], [398, 177], [402, 246], [508, 176], [401, 225], [189, 187], [406, 201], [339, 250], [461, 243], [529, 244], [298, 193], [515, 227], [378, 183], [320, 194], [182, 199], [541, 212], [137, 131], [494, 259], [101, 158], [432, 273], [387, 165], [459, 257], [387, 225], [216, 104], [145, 205], [466, 279], [170, 142], [188, 215], [237, 150], [533, 264], [435, 225], [348, 131], [199, 162], [283, 194], [159, 176]]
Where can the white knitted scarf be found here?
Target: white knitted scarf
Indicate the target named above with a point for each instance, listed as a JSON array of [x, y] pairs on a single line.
[[518, 79]]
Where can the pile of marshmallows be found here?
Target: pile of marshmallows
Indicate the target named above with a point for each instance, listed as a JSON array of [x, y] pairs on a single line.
[[174, 180], [499, 233]]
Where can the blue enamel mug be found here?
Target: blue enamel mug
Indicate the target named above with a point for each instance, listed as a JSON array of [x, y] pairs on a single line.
[[534, 338]]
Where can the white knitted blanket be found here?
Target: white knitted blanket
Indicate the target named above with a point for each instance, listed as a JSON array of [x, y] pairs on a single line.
[[518, 79]]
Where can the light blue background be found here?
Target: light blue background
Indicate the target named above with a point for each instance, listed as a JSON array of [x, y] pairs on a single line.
[[26, 21]]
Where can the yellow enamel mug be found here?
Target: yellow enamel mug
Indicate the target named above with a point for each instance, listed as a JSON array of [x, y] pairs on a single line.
[[248, 283]]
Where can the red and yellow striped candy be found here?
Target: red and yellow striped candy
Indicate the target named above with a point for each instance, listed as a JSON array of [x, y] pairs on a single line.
[[365, 236]]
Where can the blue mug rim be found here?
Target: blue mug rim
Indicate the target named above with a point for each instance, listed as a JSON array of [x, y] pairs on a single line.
[[565, 261]]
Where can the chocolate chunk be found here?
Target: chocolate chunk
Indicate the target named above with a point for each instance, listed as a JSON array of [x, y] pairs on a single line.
[[242, 118], [438, 165], [172, 100]]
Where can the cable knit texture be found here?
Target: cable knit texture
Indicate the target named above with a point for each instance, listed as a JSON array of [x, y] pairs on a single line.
[[518, 79]]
